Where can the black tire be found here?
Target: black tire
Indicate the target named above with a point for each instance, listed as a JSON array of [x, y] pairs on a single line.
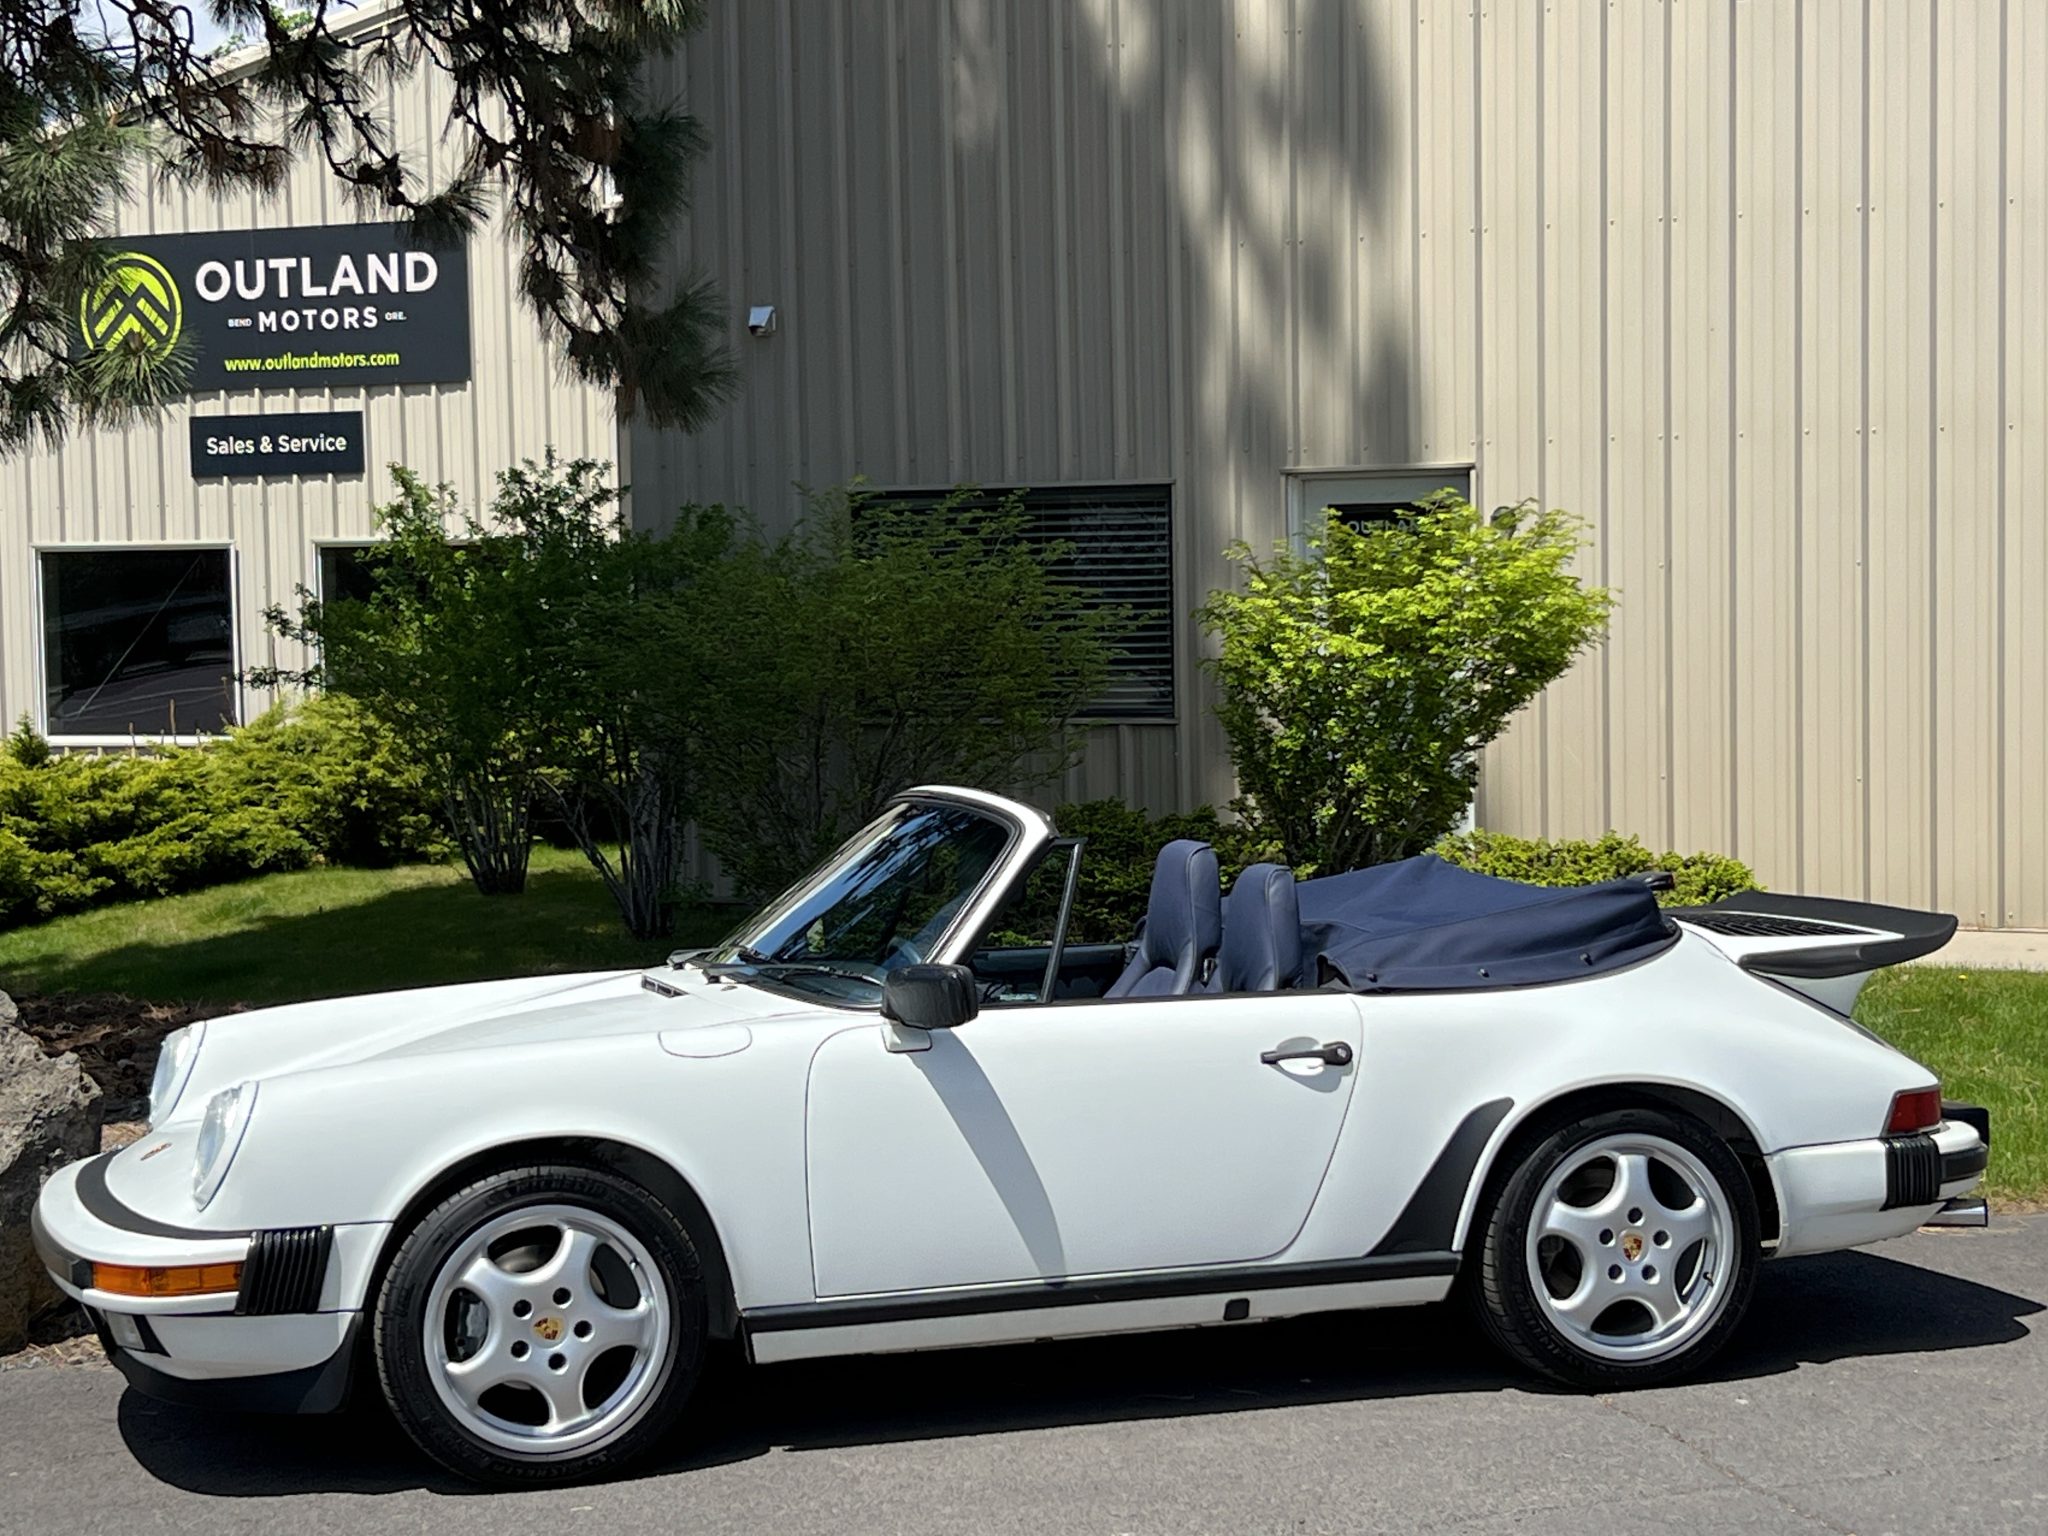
[[1504, 1292], [402, 1301]]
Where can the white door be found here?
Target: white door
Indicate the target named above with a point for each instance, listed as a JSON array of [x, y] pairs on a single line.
[[1077, 1139]]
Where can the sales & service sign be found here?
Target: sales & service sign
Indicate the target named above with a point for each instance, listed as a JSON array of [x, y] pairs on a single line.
[[296, 443], [271, 309]]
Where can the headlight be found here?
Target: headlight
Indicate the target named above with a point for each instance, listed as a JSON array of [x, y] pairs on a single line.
[[227, 1116], [173, 1070]]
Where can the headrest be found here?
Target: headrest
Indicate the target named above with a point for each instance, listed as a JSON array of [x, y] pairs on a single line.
[[1262, 939], [1185, 914]]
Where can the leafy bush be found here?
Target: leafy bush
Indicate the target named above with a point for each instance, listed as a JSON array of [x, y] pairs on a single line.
[[1360, 679], [1700, 877], [326, 776], [443, 655], [881, 646], [552, 662], [281, 793]]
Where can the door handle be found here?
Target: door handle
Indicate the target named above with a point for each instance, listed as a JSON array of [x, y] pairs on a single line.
[[1333, 1053]]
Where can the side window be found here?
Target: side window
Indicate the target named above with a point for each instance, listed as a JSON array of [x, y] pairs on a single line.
[[1011, 958]]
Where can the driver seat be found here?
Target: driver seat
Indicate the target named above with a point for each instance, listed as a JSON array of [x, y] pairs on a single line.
[[1183, 924]]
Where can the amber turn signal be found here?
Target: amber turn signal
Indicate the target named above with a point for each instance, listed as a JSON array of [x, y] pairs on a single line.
[[168, 1280]]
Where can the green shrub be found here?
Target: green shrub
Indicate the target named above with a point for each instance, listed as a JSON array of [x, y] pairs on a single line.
[[324, 778], [1360, 678], [281, 793], [1700, 877], [878, 646]]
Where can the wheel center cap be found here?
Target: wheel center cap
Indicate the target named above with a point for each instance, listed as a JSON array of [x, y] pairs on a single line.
[[1631, 1246], [550, 1328]]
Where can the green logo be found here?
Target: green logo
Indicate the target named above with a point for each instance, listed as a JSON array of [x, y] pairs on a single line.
[[137, 297]]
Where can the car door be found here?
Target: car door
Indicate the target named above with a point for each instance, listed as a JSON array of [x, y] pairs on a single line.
[[1046, 1141]]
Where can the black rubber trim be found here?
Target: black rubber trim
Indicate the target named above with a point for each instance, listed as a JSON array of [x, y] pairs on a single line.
[[100, 1203], [862, 1311], [55, 1256], [1975, 1116], [1963, 1164], [1912, 1171], [1428, 1223], [321, 1388], [284, 1271], [1920, 933]]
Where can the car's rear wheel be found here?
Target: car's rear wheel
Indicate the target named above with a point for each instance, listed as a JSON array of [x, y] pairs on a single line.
[[1620, 1251], [542, 1324]]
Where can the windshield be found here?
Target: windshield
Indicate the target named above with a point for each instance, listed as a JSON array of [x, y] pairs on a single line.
[[885, 899]]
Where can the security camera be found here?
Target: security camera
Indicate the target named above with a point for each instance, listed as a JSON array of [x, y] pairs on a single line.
[[761, 320]]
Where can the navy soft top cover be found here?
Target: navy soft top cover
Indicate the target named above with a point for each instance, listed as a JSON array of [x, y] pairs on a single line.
[[1422, 924]]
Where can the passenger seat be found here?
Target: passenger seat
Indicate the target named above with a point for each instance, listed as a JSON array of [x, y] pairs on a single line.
[[1261, 949]]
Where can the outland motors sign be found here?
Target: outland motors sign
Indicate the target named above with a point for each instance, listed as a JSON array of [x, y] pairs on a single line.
[[352, 304], [301, 443]]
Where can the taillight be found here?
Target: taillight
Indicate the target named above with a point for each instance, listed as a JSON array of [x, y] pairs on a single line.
[[1916, 1110]]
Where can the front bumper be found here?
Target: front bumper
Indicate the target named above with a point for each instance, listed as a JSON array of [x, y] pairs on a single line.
[[283, 1340], [1846, 1194]]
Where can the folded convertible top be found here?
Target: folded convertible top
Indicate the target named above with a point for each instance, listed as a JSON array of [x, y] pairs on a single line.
[[1424, 925]]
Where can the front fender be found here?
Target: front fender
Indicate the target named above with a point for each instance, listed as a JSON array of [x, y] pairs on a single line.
[[360, 1143]]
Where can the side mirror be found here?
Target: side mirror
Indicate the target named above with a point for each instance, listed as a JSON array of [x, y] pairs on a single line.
[[930, 996], [920, 998]]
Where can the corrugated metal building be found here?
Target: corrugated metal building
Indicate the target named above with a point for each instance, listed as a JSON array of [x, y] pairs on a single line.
[[132, 584], [1757, 287]]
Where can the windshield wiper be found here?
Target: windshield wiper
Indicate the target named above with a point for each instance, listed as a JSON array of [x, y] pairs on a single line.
[[805, 968], [747, 958]]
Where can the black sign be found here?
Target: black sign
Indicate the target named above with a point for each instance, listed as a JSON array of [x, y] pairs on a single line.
[[302, 443], [276, 309]]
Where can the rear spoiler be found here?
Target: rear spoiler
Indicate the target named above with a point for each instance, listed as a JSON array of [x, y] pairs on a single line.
[[1816, 938]]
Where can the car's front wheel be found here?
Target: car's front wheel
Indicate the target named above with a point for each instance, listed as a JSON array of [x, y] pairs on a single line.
[[542, 1324], [1621, 1250]]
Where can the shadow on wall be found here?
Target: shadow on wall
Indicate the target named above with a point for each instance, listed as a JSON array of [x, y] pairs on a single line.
[[1285, 152], [1260, 156], [1811, 1310]]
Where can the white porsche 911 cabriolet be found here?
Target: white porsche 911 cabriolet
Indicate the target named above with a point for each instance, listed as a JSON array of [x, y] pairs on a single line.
[[899, 1110]]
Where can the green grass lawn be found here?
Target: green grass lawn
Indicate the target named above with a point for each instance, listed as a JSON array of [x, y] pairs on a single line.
[[329, 932], [1986, 1034]]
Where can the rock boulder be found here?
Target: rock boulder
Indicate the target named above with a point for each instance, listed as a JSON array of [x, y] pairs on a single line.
[[49, 1116]]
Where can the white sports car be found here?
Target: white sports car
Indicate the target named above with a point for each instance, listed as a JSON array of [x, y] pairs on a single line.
[[898, 1110]]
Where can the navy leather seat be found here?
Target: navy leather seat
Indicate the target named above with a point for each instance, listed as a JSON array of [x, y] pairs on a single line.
[[1183, 924], [1262, 946]]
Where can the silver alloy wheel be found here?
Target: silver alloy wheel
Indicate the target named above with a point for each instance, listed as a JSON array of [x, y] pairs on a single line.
[[1629, 1244], [547, 1329]]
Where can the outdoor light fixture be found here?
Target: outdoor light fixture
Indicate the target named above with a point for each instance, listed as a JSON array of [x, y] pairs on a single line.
[[761, 320]]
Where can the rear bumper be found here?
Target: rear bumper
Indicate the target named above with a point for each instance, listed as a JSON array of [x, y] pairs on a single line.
[[1845, 1194]]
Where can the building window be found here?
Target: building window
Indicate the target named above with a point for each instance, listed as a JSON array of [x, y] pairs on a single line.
[[1368, 498], [348, 572], [1120, 555], [138, 642]]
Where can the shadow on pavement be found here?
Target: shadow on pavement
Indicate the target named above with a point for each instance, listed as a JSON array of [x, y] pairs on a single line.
[[1806, 1311]]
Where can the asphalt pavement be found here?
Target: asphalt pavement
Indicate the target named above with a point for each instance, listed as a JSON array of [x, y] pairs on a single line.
[[1901, 1389]]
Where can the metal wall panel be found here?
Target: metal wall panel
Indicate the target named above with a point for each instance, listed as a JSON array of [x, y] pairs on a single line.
[[134, 484], [1756, 287]]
